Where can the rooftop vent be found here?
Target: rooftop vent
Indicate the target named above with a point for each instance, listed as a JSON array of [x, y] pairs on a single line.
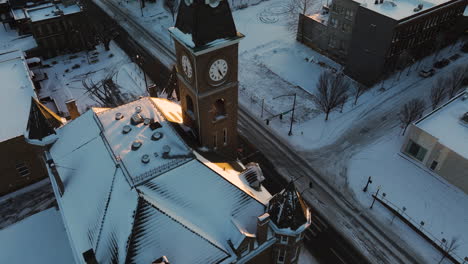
[[136, 144], [138, 109], [161, 260], [126, 129], [166, 150], [418, 8], [136, 119], [118, 116], [465, 118], [145, 158], [156, 136], [155, 125], [253, 175], [146, 121]]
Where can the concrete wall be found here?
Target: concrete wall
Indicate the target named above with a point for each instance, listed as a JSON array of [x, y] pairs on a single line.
[[13, 152], [451, 166]]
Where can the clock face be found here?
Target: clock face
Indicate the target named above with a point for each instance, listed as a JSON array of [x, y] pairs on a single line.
[[218, 70], [187, 66]]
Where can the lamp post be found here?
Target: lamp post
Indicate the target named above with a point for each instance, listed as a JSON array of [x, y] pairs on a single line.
[[139, 61], [367, 185], [293, 109]]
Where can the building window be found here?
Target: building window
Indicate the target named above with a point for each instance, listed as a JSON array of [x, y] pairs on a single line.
[[416, 150], [190, 107], [284, 239], [296, 253], [333, 22], [219, 110], [281, 256], [434, 165], [349, 14], [225, 136], [215, 140], [22, 169], [332, 42], [244, 250]]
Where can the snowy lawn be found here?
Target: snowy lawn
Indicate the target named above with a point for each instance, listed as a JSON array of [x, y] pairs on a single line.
[[67, 73], [426, 196], [40, 238]]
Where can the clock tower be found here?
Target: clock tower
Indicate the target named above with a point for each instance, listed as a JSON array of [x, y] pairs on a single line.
[[206, 43]]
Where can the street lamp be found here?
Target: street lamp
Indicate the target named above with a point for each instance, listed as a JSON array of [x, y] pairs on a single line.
[[139, 61], [293, 108], [367, 185]]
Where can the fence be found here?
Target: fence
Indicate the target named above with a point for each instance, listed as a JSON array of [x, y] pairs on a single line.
[[441, 245]]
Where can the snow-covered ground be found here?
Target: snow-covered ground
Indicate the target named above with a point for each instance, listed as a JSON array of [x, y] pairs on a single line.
[[65, 83], [426, 196], [40, 238]]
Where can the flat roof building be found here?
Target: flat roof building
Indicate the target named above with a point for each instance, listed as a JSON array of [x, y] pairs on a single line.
[[439, 141]]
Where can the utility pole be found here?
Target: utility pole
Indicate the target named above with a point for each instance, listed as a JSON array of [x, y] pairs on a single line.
[[292, 116]]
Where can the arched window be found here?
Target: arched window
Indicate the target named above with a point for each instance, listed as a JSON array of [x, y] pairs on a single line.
[[219, 109], [190, 107]]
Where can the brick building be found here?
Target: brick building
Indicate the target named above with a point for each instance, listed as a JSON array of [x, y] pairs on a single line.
[[58, 28], [24, 121], [373, 38]]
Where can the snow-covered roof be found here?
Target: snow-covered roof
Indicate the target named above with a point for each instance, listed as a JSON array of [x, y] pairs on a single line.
[[45, 11], [400, 9], [445, 124], [17, 88], [184, 205]]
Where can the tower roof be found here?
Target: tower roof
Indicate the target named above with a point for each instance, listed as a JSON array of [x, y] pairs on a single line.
[[42, 121], [206, 20], [287, 209]]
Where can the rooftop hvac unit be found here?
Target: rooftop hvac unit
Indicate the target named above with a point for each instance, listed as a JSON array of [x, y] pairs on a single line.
[[253, 175]]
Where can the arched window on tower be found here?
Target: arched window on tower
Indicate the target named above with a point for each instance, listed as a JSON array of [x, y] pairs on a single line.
[[190, 108], [219, 110]]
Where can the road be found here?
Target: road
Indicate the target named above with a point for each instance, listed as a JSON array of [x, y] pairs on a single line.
[[346, 220]]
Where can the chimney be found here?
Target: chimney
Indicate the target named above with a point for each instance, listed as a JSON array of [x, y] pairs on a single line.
[[53, 169], [262, 228], [72, 109], [161, 260], [89, 257]]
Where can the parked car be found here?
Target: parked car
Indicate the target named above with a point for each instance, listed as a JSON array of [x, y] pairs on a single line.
[[427, 72], [441, 63]]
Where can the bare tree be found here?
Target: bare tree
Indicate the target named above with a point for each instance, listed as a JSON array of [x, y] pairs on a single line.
[[455, 80], [449, 248], [437, 92], [331, 92], [106, 92], [410, 112], [294, 8], [359, 89], [172, 6]]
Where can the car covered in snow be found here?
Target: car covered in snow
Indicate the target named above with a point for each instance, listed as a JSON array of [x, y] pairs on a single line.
[[426, 72]]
